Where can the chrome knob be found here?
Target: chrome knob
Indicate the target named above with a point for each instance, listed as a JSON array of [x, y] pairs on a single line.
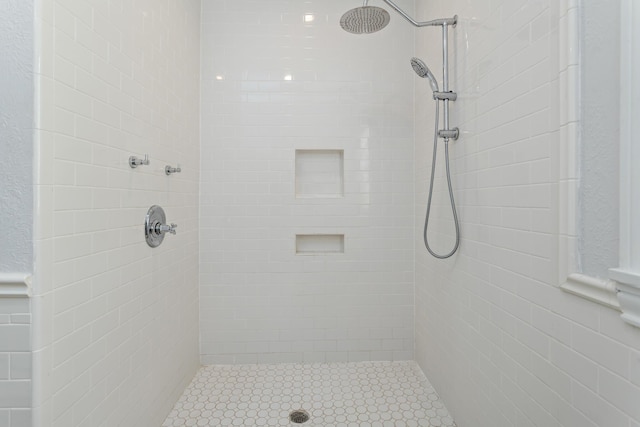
[[134, 161], [169, 170]]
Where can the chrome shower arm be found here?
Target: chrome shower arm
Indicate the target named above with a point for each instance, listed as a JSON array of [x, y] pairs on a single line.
[[446, 21]]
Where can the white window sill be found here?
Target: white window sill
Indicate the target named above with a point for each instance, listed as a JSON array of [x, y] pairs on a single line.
[[601, 291], [628, 286]]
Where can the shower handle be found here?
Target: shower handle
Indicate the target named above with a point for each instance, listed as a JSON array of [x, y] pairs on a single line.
[[134, 161], [164, 228]]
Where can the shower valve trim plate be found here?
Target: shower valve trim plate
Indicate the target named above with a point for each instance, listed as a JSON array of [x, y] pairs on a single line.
[[155, 226]]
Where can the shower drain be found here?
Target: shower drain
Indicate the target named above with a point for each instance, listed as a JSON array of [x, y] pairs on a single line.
[[299, 417]]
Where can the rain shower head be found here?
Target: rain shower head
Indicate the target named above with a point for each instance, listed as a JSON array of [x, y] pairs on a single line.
[[369, 19], [423, 71], [365, 19]]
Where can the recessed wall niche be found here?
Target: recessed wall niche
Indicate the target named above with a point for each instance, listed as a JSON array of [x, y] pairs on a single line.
[[317, 244], [319, 173]]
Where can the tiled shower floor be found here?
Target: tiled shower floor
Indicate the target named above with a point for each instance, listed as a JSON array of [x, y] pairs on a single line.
[[372, 394]]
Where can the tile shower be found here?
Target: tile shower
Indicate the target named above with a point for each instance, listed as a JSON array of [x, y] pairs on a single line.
[[303, 183], [307, 187]]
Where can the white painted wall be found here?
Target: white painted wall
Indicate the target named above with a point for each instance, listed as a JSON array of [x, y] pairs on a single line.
[[500, 342], [259, 301], [115, 322], [16, 129], [599, 137]]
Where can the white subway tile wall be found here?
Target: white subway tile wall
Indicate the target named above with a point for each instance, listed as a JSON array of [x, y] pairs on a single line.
[[15, 362], [115, 322], [319, 173], [279, 77], [502, 344]]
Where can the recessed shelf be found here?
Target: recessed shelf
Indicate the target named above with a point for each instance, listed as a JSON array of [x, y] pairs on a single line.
[[310, 244], [319, 173]]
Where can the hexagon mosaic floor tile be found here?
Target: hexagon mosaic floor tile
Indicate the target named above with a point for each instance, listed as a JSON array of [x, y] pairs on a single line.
[[365, 394]]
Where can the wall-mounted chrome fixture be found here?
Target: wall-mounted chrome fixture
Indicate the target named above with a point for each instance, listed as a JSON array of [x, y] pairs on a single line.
[[422, 70], [134, 161], [433, 23], [155, 227], [169, 170], [367, 19]]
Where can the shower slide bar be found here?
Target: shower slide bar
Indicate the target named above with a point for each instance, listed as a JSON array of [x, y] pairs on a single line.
[[446, 95]]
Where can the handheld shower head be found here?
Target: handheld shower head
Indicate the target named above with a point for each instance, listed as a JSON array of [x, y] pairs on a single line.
[[365, 19], [423, 71]]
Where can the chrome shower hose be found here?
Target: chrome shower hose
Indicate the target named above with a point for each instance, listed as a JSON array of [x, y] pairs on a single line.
[[453, 203]]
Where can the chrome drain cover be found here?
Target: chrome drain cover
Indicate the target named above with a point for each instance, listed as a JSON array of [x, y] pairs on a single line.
[[299, 417]]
